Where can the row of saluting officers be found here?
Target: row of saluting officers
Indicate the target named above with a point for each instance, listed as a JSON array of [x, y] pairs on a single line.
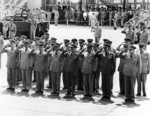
[[80, 65]]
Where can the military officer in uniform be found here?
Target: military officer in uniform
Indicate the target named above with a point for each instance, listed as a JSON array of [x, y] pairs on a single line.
[[79, 74], [12, 29], [11, 65], [88, 69], [64, 48], [145, 58], [108, 66], [96, 69], [25, 65], [131, 70], [71, 58], [122, 47], [55, 68], [39, 67]]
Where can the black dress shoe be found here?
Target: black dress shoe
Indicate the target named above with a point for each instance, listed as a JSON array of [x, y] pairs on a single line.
[[64, 88], [127, 100], [122, 93], [23, 90], [132, 100], [144, 94], [68, 94], [53, 93], [86, 95], [73, 94], [138, 94], [49, 87], [34, 81], [9, 88], [27, 90]]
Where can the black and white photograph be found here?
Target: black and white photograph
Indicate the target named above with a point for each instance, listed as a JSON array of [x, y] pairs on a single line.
[[74, 57]]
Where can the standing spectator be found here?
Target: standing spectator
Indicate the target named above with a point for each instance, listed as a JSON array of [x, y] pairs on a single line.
[[97, 33], [110, 17], [115, 20], [67, 15], [56, 16], [78, 17], [12, 29], [5, 28], [99, 17], [49, 16], [89, 16], [33, 28], [1, 46], [93, 22], [85, 18]]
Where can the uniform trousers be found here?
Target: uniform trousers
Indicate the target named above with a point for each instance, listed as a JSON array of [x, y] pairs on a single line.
[[32, 32], [106, 85], [11, 34], [97, 39], [129, 87], [141, 80], [122, 22], [80, 79], [122, 82], [115, 23], [18, 74], [70, 82], [11, 77], [5, 32], [110, 22], [55, 81], [65, 79], [111, 80], [56, 21], [26, 78], [96, 80], [50, 79], [40, 80], [88, 81]]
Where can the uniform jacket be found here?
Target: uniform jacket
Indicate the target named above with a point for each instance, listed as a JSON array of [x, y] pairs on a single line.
[[88, 63], [25, 59], [39, 62], [144, 37], [11, 59], [132, 66], [108, 63], [71, 62], [55, 61]]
